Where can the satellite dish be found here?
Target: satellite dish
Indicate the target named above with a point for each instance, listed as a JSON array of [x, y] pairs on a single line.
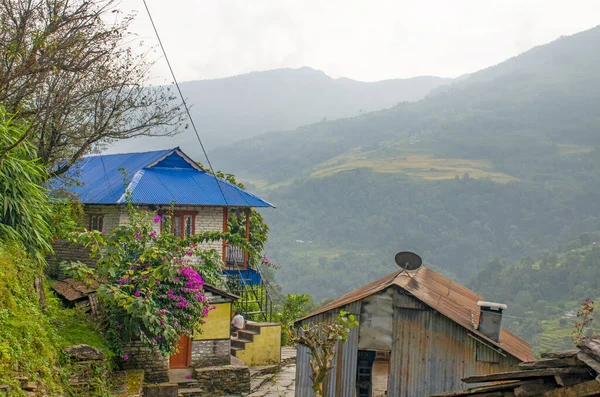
[[408, 260]]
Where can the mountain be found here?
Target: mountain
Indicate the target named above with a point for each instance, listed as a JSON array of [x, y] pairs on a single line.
[[505, 114], [502, 163], [229, 109]]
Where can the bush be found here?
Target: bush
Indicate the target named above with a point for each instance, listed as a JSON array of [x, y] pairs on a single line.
[[31, 339], [24, 205]]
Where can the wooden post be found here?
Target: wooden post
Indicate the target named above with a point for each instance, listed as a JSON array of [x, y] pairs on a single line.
[[246, 256], [225, 219]]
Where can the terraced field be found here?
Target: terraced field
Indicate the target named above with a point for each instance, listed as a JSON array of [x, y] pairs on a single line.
[[419, 164], [567, 150]]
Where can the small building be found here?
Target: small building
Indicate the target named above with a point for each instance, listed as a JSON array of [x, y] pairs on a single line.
[[206, 349], [212, 345], [419, 334], [170, 184], [164, 182]]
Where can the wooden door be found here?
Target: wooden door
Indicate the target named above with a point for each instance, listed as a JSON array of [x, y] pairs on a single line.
[[181, 359]]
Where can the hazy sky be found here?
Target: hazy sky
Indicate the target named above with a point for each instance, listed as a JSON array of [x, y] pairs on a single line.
[[364, 40]]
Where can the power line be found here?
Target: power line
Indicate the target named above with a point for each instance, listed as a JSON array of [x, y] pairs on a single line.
[[105, 176], [187, 110]]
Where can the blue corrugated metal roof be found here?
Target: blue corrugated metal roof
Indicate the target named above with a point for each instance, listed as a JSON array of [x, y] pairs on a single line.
[[159, 177]]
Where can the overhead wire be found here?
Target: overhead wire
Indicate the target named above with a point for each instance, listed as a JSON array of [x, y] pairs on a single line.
[[279, 297], [187, 110], [105, 175]]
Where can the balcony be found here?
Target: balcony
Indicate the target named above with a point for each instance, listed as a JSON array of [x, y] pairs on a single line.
[[235, 258]]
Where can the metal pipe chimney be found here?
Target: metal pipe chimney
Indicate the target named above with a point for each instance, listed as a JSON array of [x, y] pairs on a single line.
[[490, 319]]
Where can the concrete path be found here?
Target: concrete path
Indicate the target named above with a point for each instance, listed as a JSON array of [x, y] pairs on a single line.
[[280, 383]]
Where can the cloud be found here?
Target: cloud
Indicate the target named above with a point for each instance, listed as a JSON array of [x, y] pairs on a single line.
[[368, 41]]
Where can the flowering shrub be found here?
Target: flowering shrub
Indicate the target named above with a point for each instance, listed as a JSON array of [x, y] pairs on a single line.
[[151, 284], [267, 262]]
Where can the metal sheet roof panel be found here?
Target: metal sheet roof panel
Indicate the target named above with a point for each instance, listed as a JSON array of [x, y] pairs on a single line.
[[159, 177]]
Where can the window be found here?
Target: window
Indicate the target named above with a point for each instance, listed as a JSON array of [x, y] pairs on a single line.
[[182, 223], [96, 222]]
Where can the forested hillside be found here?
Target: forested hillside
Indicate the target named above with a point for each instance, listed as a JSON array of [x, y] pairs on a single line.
[[356, 220], [233, 108], [544, 293], [503, 163]]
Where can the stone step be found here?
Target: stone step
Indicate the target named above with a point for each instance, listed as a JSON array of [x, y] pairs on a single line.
[[188, 384], [234, 351], [192, 392], [252, 327], [246, 335], [240, 344]]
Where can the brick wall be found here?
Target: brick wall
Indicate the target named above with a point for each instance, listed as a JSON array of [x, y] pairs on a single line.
[[209, 353], [155, 366], [207, 218]]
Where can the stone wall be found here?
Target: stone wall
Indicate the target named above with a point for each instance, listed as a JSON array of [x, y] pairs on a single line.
[[139, 356], [65, 251], [228, 379], [209, 353]]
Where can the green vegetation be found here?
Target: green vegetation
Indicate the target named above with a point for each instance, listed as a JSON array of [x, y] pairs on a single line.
[[331, 236], [321, 340], [293, 308], [543, 294], [24, 204], [31, 339]]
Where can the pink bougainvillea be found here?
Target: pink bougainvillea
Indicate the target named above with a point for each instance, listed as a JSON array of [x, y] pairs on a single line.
[[154, 283]]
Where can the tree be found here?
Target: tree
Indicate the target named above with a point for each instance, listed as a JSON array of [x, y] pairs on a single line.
[[294, 307], [73, 73], [321, 339]]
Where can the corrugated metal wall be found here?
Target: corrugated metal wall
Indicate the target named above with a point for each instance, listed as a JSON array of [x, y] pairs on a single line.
[[341, 380], [431, 353]]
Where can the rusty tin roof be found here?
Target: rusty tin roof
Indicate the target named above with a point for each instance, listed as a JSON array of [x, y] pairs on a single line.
[[451, 299], [73, 290]]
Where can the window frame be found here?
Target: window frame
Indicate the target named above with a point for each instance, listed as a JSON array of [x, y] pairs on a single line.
[[183, 215], [99, 222]]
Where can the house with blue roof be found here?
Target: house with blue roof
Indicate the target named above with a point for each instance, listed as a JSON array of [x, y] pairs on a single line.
[[161, 181], [170, 184]]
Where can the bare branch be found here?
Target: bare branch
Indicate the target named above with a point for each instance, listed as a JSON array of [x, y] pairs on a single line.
[[76, 76]]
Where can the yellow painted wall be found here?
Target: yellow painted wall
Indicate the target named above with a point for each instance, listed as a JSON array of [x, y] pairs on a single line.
[[217, 323], [265, 349]]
